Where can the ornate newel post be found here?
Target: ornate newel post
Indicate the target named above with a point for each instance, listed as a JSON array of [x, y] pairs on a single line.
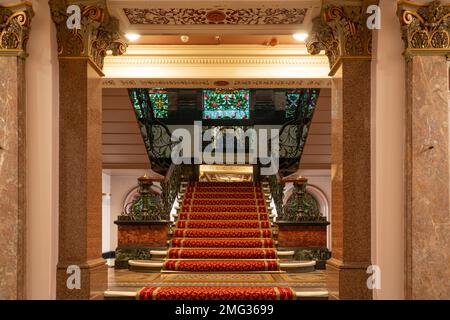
[[425, 31], [15, 24], [81, 53], [342, 33], [300, 192], [144, 224], [301, 225]]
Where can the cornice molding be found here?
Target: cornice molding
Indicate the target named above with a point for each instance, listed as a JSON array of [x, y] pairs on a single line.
[[342, 33], [99, 33], [195, 61], [219, 50], [206, 62], [425, 27], [15, 24]]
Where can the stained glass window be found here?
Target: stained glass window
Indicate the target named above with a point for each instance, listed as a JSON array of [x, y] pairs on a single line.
[[158, 97], [160, 103], [226, 104], [306, 97], [291, 103]]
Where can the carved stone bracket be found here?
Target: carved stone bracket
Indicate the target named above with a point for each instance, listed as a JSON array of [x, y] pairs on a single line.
[[15, 24], [342, 32], [98, 34], [425, 27]]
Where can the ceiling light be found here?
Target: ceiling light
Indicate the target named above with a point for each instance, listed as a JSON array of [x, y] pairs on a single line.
[[132, 36], [300, 36], [184, 38]]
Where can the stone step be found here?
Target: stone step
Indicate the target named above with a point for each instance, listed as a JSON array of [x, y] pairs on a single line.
[[131, 295], [282, 255], [156, 266]]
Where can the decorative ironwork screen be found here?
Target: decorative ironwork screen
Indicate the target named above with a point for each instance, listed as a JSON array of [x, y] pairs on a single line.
[[156, 135], [294, 132]]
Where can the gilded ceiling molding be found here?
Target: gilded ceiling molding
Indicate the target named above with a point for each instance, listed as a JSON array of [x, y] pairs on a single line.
[[341, 31], [425, 27], [99, 32], [15, 24]]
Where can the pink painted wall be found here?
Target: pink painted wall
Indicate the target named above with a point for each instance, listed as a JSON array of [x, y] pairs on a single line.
[[42, 153], [388, 125]]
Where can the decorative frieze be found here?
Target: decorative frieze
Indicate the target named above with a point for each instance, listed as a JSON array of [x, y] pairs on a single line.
[[98, 33], [208, 16], [15, 24], [425, 27], [342, 32], [214, 83]]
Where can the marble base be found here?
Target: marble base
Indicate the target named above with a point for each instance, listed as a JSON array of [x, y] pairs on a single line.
[[347, 281], [94, 279], [307, 235]]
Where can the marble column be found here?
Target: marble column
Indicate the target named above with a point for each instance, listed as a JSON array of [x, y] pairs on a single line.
[[427, 150], [341, 31], [13, 35], [80, 169], [350, 181], [81, 54]]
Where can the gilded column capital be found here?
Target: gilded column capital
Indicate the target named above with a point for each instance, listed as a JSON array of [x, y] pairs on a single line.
[[15, 24], [98, 33], [425, 27], [342, 32]]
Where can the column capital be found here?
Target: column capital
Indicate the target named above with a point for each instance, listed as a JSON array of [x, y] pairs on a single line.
[[341, 31], [425, 27], [98, 34], [15, 21]]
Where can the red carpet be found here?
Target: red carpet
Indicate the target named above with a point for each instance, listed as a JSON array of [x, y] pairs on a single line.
[[226, 221], [244, 217], [176, 253], [222, 243], [199, 224], [222, 233], [216, 293], [221, 265]]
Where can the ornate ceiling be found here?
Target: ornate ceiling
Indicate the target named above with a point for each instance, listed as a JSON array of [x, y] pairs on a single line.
[[205, 16], [215, 17]]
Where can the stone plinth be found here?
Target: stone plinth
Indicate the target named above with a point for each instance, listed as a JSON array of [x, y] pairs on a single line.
[[302, 234], [137, 238]]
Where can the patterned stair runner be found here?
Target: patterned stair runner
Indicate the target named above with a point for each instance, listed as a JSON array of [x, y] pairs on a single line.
[[222, 227], [215, 293]]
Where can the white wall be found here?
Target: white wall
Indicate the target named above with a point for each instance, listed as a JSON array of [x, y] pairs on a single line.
[[388, 126], [106, 213], [42, 155]]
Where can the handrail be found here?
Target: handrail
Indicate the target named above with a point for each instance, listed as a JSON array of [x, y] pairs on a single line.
[[276, 187], [170, 188]]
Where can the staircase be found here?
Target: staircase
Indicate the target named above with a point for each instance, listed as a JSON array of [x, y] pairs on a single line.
[[221, 228]]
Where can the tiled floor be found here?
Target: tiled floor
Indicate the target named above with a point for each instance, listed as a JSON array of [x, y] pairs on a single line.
[[125, 280]]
